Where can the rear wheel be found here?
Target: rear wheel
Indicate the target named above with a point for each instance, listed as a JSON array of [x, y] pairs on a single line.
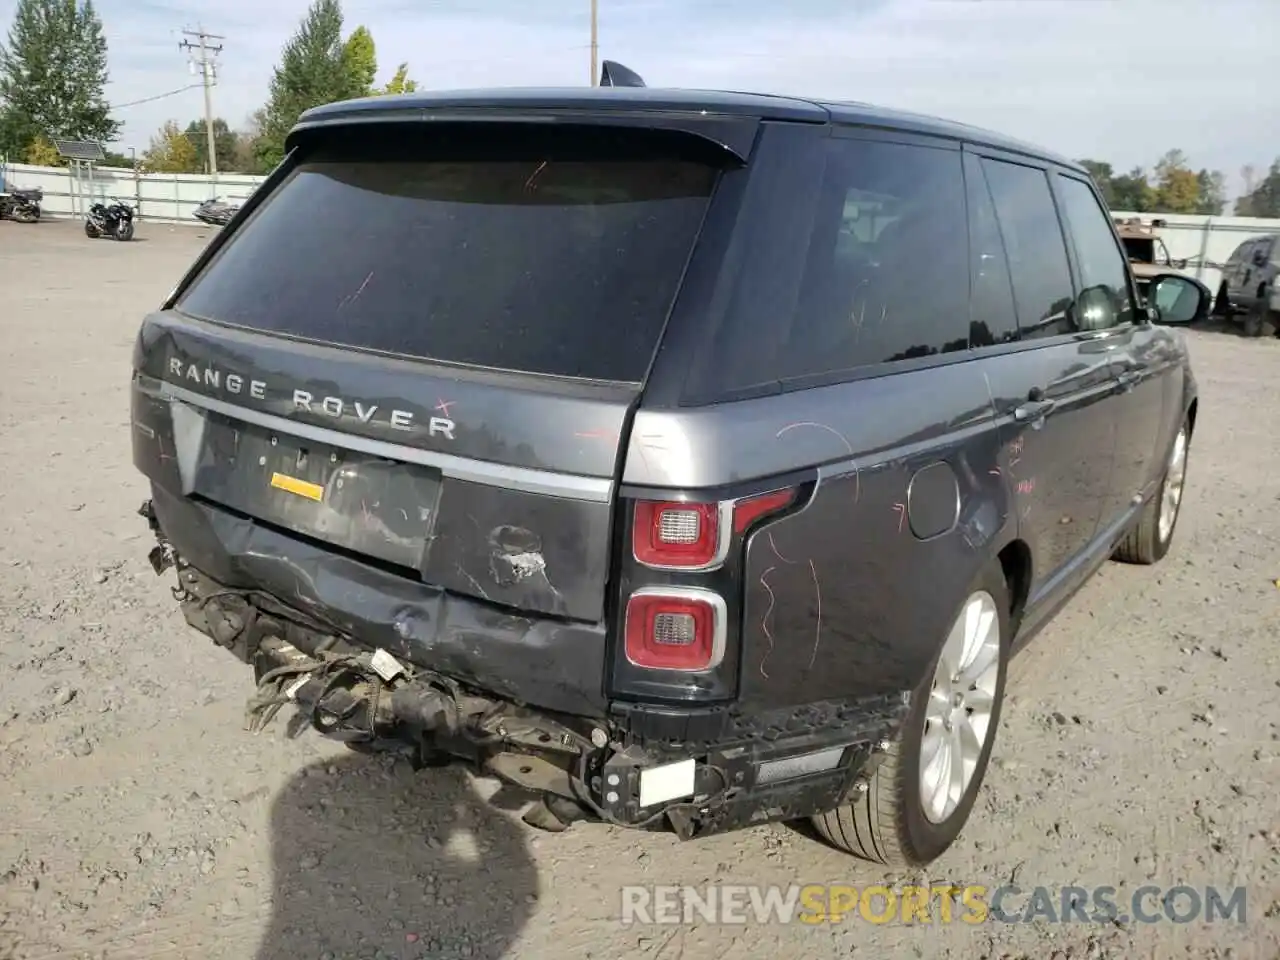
[[1149, 540], [921, 795], [1222, 303], [1260, 322], [90, 231]]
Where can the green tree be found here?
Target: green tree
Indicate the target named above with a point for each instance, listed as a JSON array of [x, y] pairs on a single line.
[[171, 151], [312, 71], [360, 63], [41, 152], [1212, 187], [1132, 192], [1263, 200], [400, 83], [1177, 188], [53, 71], [224, 144]]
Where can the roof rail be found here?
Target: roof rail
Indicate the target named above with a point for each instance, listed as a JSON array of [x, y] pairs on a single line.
[[614, 74]]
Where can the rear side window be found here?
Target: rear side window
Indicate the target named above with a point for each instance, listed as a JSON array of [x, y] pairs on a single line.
[[551, 266], [1104, 279], [855, 254], [992, 318], [1035, 246]]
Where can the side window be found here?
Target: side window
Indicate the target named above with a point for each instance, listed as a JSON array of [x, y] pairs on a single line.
[[1104, 299], [1035, 246], [992, 318], [1240, 255], [885, 275], [854, 253]]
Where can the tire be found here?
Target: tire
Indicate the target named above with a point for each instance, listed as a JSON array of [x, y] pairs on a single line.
[[124, 230], [1149, 541], [1222, 303], [887, 823], [90, 231], [1260, 321]]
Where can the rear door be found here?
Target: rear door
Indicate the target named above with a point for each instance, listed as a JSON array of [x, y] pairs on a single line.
[[424, 351], [1052, 387]]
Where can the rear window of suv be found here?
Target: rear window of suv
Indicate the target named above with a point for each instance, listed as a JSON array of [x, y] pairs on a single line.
[[538, 265]]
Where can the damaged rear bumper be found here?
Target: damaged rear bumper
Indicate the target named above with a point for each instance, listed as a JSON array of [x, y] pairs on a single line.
[[297, 620]]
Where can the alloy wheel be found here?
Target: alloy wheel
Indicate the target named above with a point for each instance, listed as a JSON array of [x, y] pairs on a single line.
[[958, 714]]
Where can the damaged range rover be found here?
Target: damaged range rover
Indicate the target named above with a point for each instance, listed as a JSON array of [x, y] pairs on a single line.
[[693, 460]]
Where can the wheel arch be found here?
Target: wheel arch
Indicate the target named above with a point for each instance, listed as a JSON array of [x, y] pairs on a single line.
[[1015, 561]]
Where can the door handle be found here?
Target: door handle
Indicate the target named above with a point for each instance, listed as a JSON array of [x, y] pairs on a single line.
[[1032, 410]]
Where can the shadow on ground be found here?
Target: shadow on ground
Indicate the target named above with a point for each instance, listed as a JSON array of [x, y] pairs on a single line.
[[372, 859]]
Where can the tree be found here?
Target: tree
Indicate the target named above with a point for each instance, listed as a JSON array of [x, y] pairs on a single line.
[[171, 151], [400, 83], [1132, 192], [1212, 188], [312, 70], [224, 144], [359, 63], [41, 153], [1177, 188], [1264, 199], [53, 71], [247, 140]]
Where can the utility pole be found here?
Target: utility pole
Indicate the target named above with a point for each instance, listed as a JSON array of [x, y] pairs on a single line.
[[595, 36], [208, 76]]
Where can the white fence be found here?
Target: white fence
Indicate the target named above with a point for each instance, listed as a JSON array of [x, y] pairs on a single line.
[[1204, 242], [163, 197]]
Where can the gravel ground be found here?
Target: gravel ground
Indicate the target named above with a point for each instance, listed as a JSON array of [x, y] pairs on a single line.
[[137, 820]]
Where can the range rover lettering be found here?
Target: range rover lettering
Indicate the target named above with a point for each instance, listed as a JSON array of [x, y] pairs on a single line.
[[691, 459]]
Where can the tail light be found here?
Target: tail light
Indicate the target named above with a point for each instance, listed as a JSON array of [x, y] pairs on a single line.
[[680, 536], [673, 535], [675, 628]]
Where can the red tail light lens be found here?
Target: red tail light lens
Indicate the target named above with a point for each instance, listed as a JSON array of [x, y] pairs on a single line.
[[677, 535], [675, 628], [748, 511]]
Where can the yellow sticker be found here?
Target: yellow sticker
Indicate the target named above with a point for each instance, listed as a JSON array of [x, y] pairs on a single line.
[[312, 491]]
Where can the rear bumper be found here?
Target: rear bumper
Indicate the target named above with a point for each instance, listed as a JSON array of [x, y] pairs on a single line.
[[558, 665], [294, 612]]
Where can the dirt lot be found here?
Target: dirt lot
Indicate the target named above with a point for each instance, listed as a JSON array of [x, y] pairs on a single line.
[[137, 820]]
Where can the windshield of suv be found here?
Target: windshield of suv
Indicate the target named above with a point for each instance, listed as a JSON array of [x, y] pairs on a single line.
[[562, 267]]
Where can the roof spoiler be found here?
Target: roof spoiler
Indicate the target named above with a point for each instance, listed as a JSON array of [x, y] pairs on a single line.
[[614, 74]]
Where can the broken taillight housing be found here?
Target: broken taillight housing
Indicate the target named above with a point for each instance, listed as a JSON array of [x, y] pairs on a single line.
[[675, 628]]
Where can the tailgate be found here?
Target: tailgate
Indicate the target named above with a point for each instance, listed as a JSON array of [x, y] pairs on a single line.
[[218, 417], [424, 354]]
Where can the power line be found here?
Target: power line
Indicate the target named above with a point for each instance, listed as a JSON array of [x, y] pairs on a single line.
[[158, 96], [208, 75]]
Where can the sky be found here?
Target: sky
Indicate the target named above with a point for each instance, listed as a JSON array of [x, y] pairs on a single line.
[[1115, 80]]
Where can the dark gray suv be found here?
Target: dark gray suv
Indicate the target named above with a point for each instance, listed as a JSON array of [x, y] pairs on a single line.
[[692, 460]]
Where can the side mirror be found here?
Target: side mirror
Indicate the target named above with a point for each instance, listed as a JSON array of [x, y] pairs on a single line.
[[1259, 258], [1178, 299]]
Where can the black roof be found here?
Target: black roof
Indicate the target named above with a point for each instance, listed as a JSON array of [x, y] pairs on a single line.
[[721, 103]]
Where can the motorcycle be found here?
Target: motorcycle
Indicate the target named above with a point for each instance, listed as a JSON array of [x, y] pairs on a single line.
[[215, 213], [113, 219], [22, 205]]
